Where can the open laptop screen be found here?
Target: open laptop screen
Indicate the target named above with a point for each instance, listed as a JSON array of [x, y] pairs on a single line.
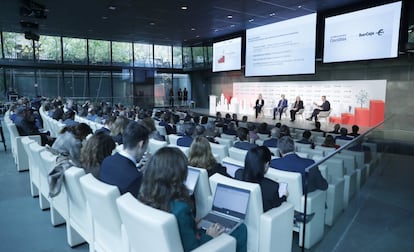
[[192, 178], [231, 200]]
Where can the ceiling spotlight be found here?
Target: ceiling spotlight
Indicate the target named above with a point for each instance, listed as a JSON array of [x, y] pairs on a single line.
[[104, 17], [272, 14], [112, 7], [232, 25], [229, 16], [216, 30], [184, 7], [251, 20], [193, 29], [152, 23], [299, 6]]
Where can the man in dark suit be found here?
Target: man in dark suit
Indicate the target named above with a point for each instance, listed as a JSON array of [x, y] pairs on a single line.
[[293, 163], [121, 169], [306, 139], [325, 106], [282, 104], [298, 105], [244, 143], [259, 105]]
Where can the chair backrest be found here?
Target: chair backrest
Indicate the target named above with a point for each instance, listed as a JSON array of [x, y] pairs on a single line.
[[101, 199], [324, 113], [154, 145], [254, 208], [147, 228], [312, 152], [300, 146], [231, 137], [202, 194], [335, 168], [161, 130], [184, 149], [172, 139], [327, 150], [221, 150], [294, 181], [225, 141], [302, 154], [237, 153], [79, 215], [341, 142], [263, 136], [318, 139]]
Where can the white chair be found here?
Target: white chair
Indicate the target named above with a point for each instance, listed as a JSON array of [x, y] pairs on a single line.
[[237, 153], [312, 152], [150, 229], [318, 140], [232, 165], [154, 145], [300, 113], [202, 194], [224, 141], [172, 139], [301, 146], [326, 150], [231, 137], [161, 130], [315, 204], [220, 150], [41, 176], [185, 150], [101, 198], [263, 136], [59, 203], [79, 222], [33, 167], [341, 142], [324, 115], [266, 231]]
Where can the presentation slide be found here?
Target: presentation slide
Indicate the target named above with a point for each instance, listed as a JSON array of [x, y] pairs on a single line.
[[361, 35], [282, 48], [227, 55]]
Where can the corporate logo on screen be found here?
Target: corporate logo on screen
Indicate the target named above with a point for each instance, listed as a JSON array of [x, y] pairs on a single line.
[[379, 33], [338, 38]]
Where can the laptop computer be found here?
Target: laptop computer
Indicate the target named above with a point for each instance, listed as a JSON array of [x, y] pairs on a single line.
[[231, 167], [229, 208], [192, 178]]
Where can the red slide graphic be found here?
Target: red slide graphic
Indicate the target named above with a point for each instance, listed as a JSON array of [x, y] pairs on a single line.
[[221, 59]]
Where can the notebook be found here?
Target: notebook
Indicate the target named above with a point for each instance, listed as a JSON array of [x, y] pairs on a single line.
[[192, 178], [229, 208], [231, 168]]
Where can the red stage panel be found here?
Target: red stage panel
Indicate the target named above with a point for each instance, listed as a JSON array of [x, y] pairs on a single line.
[[347, 118], [377, 108], [334, 119], [362, 116]]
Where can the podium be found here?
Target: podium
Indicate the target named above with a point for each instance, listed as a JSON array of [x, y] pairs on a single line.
[[212, 104]]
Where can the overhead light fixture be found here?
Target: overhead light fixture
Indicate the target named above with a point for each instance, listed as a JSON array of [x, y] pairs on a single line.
[[229, 16], [251, 20], [232, 25], [104, 17], [193, 29], [299, 6], [272, 14], [152, 23], [112, 7], [184, 7]]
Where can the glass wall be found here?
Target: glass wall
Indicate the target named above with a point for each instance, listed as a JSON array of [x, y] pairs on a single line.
[[1, 51], [48, 49], [198, 56], [22, 81], [3, 89], [122, 87], [50, 82], [16, 46], [177, 57], [99, 52], [162, 88], [122, 53], [75, 84], [143, 55], [74, 50], [100, 86], [187, 58], [162, 56]]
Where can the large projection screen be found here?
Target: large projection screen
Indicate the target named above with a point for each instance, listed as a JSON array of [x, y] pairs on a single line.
[[283, 48], [362, 35], [227, 55]]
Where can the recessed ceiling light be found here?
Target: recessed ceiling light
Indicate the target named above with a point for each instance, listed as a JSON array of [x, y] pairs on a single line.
[[151, 23], [232, 25], [193, 29], [216, 30], [251, 20], [229, 16], [184, 7], [299, 6], [112, 7], [197, 36], [272, 14], [104, 17]]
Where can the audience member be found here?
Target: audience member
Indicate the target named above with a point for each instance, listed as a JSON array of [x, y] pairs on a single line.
[[118, 128], [284, 131], [263, 129], [274, 135], [154, 134], [293, 163], [244, 139], [252, 132], [187, 139], [200, 156], [230, 129], [343, 134], [109, 121], [69, 141], [330, 142], [318, 128], [355, 130], [120, 169], [163, 188], [306, 135], [94, 151], [69, 118], [337, 126], [256, 165]]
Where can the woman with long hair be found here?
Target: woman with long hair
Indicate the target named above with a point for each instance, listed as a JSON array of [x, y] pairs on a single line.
[[94, 151], [256, 165], [163, 188], [200, 156]]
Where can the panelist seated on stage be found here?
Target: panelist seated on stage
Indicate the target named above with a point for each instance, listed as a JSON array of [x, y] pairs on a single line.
[[291, 162], [281, 105], [259, 105], [325, 106], [244, 139], [298, 105]]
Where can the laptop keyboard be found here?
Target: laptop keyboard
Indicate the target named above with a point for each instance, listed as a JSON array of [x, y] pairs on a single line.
[[221, 220]]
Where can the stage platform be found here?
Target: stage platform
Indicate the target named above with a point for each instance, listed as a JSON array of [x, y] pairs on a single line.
[[300, 123]]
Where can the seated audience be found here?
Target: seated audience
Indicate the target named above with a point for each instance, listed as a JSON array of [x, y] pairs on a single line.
[[318, 127], [108, 122], [256, 165], [118, 127], [354, 132], [306, 135], [274, 135], [230, 129], [154, 134], [244, 139], [252, 132], [344, 134], [69, 141], [94, 151], [330, 142], [336, 129], [200, 156], [293, 163], [69, 118], [262, 129], [163, 188], [284, 131], [187, 139], [120, 169]]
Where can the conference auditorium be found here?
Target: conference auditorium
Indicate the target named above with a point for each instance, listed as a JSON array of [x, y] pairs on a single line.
[[239, 125]]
